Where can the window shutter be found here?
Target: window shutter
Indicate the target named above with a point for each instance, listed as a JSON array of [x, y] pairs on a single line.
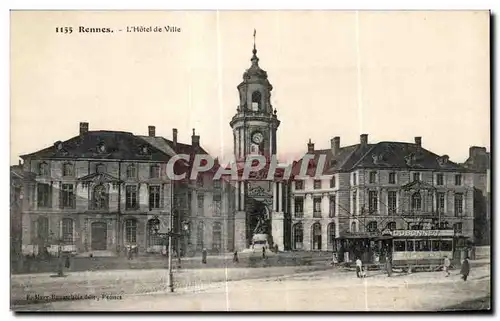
[[50, 195], [60, 231], [73, 197], [138, 195]]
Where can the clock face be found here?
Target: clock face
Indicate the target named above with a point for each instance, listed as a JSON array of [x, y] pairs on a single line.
[[257, 138]]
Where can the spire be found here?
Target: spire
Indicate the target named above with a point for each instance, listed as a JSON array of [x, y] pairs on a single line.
[[255, 59]]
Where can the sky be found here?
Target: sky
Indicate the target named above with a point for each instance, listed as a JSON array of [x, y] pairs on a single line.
[[392, 75]]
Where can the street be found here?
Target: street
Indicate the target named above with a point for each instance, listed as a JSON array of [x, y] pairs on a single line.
[[320, 290]]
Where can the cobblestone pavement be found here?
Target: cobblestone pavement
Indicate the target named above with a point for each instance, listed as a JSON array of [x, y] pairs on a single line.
[[28, 289], [308, 291]]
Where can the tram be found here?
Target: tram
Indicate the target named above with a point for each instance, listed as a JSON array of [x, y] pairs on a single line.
[[421, 249]]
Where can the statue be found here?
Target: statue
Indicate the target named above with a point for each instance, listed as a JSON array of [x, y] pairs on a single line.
[[262, 225]]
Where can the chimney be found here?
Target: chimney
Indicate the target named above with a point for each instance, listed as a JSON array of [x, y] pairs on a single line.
[[475, 151], [195, 139], [174, 136], [84, 128], [20, 163], [310, 147], [363, 139], [418, 141], [335, 142], [151, 131]]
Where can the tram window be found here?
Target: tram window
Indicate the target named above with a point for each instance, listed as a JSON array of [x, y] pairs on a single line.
[[446, 245], [422, 245], [435, 246], [399, 246], [409, 245]]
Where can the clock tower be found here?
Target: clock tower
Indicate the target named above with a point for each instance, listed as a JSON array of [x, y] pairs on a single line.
[[259, 205], [255, 123]]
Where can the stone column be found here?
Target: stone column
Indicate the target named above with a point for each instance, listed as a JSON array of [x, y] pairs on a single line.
[[275, 197], [324, 236], [240, 241], [280, 197], [277, 229], [237, 196], [307, 236]]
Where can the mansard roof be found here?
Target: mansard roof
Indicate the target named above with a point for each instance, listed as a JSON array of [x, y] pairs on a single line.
[[382, 155]]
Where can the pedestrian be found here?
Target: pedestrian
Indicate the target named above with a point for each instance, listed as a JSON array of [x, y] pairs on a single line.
[[67, 262], [446, 266], [264, 252], [235, 257], [129, 252], [335, 259], [465, 268], [359, 266], [204, 256], [388, 264]]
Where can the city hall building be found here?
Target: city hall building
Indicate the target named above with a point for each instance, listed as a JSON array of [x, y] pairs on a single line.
[[102, 192]]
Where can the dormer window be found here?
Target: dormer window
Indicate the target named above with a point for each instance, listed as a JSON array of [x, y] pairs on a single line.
[[58, 145], [443, 160], [144, 150], [416, 177], [43, 169], [101, 148]]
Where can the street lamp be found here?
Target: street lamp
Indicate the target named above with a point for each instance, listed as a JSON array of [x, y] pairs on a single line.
[[156, 228]]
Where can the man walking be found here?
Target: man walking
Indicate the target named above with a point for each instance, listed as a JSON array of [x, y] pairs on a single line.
[[359, 267], [204, 256], [446, 266], [465, 268]]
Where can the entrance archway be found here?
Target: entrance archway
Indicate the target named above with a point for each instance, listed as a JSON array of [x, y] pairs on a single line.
[[316, 236], [99, 233]]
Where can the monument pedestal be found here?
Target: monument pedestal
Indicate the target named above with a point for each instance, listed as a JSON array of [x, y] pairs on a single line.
[[240, 231], [277, 227]]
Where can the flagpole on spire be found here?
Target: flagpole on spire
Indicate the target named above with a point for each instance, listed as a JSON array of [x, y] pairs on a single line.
[[254, 33]]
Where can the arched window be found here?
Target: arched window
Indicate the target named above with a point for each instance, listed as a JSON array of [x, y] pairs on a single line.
[[331, 236], [131, 231], [298, 236], [256, 101], [100, 168], [43, 229], [43, 169], [153, 238], [354, 227], [200, 234], [100, 197], [154, 171], [316, 236], [67, 169], [131, 173], [217, 236], [416, 201], [67, 231], [391, 226], [372, 226]]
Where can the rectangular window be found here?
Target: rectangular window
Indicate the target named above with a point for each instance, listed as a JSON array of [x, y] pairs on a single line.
[[459, 199], [217, 207], [217, 184], [43, 195], [317, 184], [67, 231], [446, 245], [199, 181], [131, 197], [440, 202], [354, 180], [354, 202], [399, 246], [299, 207], [435, 245], [391, 202], [439, 179], [201, 203], [392, 178], [68, 196], [416, 177], [410, 245], [458, 179], [333, 206], [154, 197], [422, 246], [372, 202], [317, 207], [154, 171], [299, 185], [373, 177], [332, 182]]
